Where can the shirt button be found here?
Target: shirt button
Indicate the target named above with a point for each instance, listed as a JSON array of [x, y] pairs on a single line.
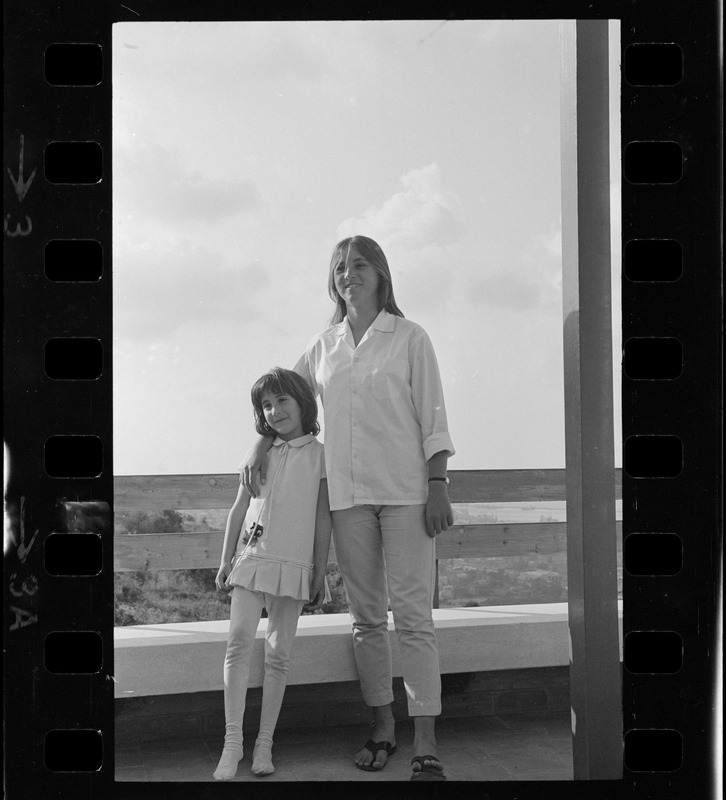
[[355, 358]]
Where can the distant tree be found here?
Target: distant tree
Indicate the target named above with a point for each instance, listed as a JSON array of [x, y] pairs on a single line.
[[446, 593], [338, 603], [168, 521]]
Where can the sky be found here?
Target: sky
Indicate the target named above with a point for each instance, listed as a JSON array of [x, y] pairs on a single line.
[[242, 152]]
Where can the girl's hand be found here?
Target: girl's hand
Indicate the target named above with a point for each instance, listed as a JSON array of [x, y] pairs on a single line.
[[221, 580], [254, 464], [438, 509], [317, 592]]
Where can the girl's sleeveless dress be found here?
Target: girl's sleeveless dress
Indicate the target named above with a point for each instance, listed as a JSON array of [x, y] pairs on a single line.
[[279, 559]]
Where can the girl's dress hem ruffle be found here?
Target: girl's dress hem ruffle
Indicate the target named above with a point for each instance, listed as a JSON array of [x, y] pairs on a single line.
[[284, 579]]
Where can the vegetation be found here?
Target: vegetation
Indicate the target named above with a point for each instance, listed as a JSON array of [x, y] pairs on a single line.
[[183, 595], [168, 521], [189, 595], [159, 596], [503, 581]]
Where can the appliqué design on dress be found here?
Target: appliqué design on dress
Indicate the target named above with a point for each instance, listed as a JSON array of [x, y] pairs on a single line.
[[256, 530]]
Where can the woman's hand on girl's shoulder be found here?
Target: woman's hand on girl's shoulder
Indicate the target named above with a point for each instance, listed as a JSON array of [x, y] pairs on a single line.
[[253, 467]]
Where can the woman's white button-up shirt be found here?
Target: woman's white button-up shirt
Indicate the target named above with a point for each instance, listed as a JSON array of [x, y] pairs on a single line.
[[384, 410]]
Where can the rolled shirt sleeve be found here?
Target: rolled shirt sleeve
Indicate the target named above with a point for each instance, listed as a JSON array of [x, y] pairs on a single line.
[[427, 395]]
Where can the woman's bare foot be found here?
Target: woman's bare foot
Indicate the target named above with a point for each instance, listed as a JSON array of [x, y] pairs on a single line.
[[424, 744], [384, 730]]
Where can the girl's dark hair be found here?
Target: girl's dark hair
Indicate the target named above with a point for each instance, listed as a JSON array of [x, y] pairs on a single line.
[[373, 253], [285, 381]]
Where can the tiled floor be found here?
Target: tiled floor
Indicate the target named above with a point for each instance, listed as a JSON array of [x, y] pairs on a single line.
[[506, 748]]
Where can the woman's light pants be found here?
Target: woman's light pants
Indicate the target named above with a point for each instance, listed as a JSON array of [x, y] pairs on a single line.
[[283, 614], [385, 552]]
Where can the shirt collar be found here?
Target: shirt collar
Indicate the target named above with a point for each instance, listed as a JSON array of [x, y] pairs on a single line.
[[301, 441], [385, 321]]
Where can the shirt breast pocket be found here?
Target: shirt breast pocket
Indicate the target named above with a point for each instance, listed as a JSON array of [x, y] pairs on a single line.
[[390, 378]]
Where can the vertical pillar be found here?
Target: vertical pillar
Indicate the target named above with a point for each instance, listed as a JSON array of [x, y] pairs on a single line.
[[595, 681]]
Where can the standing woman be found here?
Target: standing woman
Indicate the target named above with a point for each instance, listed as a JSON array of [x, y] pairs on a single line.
[[386, 451]]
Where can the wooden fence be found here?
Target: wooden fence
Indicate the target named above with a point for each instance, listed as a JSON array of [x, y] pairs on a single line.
[[197, 550]]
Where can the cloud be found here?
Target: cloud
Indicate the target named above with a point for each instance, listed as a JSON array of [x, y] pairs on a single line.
[[424, 213], [505, 290], [151, 184], [438, 263], [216, 57], [527, 280], [277, 54], [419, 229], [159, 288], [542, 264], [490, 30]]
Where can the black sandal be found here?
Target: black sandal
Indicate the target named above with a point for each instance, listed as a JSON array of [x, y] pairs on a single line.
[[373, 748], [427, 773]]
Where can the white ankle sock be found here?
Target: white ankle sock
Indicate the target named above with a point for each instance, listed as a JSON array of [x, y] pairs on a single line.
[[227, 767], [262, 758]]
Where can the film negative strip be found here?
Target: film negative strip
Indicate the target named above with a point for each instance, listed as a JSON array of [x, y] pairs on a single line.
[[666, 356], [58, 444], [59, 487]]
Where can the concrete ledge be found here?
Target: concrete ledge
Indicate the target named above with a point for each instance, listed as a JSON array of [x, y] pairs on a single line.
[[545, 690], [186, 658]]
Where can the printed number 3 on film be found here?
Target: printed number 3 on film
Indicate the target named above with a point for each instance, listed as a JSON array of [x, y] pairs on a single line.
[[22, 585], [11, 226]]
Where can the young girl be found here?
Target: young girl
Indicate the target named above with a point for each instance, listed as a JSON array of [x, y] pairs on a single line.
[[279, 561]]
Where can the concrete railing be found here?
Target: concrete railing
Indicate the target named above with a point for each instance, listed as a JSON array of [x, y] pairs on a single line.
[[178, 658], [197, 550], [187, 657]]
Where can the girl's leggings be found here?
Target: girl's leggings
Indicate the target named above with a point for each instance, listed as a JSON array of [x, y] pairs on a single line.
[[283, 615]]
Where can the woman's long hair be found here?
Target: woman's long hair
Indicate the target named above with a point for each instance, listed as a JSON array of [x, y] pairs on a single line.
[[372, 252]]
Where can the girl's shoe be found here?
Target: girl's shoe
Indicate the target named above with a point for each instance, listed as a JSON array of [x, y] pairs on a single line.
[[227, 767], [262, 758]]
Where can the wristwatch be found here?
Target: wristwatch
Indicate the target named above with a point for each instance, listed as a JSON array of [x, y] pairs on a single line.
[[445, 480]]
